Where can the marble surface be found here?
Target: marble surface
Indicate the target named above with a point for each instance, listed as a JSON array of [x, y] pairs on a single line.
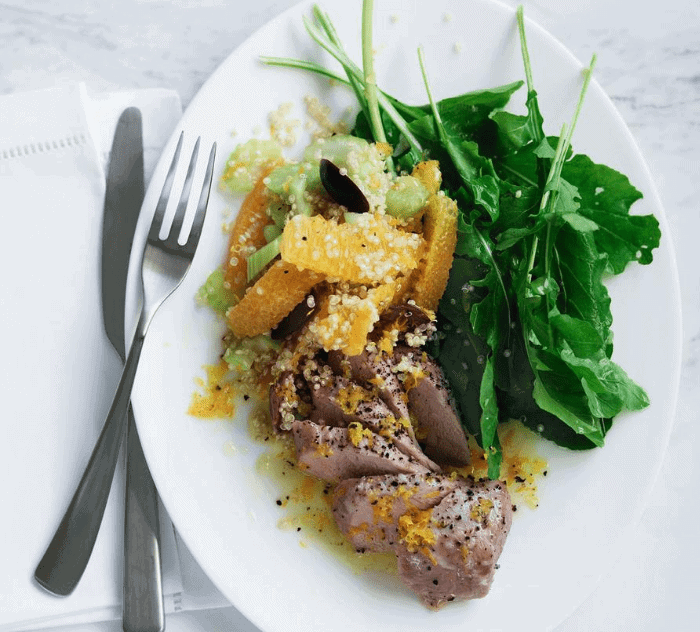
[[649, 64]]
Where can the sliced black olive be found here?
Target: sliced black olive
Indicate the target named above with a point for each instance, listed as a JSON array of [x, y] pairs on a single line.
[[341, 188], [295, 320]]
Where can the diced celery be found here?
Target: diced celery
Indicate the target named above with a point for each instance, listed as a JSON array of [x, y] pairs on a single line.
[[291, 182], [406, 197], [242, 353], [351, 218], [278, 179], [297, 198], [260, 258], [245, 164], [271, 231], [214, 294], [278, 210], [336, 149]]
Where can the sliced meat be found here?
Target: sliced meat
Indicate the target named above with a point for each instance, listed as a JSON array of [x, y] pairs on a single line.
[[373, 369], [367, 510], [450, 552], [334, 454], [341, 402], [437, 425], [447, 533]]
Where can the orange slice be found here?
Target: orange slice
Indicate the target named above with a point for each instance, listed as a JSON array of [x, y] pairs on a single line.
[[270, 299], [369, 250], [247, 234], [440, 233]]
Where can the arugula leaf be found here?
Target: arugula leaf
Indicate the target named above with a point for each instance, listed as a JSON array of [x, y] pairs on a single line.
[[581, 267], [606, 198]]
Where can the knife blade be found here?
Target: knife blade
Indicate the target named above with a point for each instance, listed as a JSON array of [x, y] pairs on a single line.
[[143, 609]]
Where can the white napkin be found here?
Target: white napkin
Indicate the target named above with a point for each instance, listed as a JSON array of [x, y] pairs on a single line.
[[59, 370]]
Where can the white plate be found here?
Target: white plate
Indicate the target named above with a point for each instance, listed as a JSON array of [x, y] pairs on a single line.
[[591, 501]]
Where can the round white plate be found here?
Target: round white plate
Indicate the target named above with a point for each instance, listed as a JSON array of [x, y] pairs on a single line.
[[227, 515]]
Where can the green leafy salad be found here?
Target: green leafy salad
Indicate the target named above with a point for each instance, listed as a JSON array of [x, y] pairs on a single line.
[[524, 326]]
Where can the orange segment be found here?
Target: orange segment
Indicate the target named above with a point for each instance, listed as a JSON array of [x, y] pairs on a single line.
[[345, 321], [247, 233], [270, 299], [428, 172], [440, 233], [368, 250]]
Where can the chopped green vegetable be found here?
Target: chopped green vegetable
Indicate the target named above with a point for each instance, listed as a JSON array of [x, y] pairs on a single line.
[[214, 294], [271, 231], [406, 197], [246, 162], [242, 353], [261, 257], [291, 182]]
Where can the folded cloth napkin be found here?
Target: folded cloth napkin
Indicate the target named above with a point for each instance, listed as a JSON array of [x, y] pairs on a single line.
[[59, 370]]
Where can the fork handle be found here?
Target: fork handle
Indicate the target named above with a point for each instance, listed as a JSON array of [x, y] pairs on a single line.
[[67, 556]]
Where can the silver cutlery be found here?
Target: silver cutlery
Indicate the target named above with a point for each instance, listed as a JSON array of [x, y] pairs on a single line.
[[164, 264], [142, 609]]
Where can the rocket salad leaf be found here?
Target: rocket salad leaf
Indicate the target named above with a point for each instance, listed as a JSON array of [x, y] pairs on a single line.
[[524, 326]]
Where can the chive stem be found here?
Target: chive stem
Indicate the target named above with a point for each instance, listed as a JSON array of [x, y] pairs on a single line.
[[350, 66], [325, 21], [523, 48], [300, 64], [369, 73], [433, 105]]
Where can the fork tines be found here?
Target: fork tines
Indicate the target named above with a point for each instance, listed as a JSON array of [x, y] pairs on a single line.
[[170, 242]]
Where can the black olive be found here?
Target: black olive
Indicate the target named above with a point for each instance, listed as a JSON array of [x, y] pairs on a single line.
[[295, 320], [341, 188]]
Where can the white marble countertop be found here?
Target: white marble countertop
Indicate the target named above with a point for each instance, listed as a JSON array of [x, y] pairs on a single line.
[[649, 64]]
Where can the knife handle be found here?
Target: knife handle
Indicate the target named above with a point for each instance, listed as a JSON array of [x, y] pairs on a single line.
[[143, 589]]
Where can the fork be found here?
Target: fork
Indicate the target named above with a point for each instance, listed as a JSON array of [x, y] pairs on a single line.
[[164, 265]]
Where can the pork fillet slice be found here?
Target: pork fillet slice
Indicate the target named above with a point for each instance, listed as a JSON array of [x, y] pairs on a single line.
[[334, 454], [458, 561], [447, 533], [367, 509], [343, 402], [373, 368], [437, 424]]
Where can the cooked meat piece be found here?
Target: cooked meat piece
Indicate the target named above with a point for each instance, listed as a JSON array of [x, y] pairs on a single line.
[[341, 402], [437, 424], [333, 454], [367, 510], [373, 369], [447, 533], [450, 552]]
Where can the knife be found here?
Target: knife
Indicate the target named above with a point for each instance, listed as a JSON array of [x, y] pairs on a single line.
[[67, 556], [143, 592]]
